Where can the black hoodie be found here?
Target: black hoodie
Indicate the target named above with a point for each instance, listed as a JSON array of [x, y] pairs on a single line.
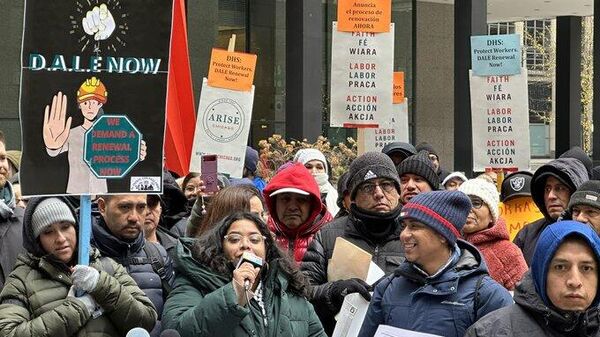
[[569, 171]]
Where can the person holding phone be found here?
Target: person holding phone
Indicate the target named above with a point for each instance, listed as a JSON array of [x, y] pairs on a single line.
[[216, 295]]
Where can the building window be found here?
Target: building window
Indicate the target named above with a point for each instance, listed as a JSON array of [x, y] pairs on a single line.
[[501, 28], [537, 44]]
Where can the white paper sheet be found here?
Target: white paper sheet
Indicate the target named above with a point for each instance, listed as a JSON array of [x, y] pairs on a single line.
[[390, 331], [374, 274], [351, 316]]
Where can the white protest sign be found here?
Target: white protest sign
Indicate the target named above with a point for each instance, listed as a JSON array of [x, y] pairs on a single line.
[[361, 78], [394, 130], [222, 128], [351, 316], [390, 331], [500, 117]]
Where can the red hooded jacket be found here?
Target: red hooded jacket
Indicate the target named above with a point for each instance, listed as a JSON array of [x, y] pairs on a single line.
[[295, 241]]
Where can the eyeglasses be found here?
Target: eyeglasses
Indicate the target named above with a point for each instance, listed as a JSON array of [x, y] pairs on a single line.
[[386, 186], [477, 203], [236, 239]]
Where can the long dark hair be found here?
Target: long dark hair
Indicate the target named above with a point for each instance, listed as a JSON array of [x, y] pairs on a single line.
[[208, 250]]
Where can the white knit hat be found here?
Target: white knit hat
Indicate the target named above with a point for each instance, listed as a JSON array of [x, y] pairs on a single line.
[[48, 212], [305, 155], [456, 174], [484, 190]]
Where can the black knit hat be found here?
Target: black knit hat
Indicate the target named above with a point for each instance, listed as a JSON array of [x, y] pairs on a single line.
[[421, 165], [595, 173], [444, 211], [516, 184], [587, 194], [424, 146], [342, 187], [371, 165], [406, 149], [578, 153]]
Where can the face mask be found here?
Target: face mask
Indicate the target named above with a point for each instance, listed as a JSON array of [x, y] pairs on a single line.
[[322, 179]]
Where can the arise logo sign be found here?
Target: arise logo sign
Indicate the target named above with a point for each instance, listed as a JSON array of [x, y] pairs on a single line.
[[223, 120]]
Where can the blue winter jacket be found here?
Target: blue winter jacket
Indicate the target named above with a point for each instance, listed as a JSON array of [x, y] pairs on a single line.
[[443, 304], [133, 257]]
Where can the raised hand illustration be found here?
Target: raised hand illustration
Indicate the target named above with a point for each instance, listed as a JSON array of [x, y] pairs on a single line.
[[99, 22], [56, 125]]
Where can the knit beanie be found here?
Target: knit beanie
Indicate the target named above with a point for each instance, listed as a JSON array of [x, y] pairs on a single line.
[[305, 155], [548, 243], [587, 194], [406, 148], [421, 165], [424, 146], [484, 190], [50, 211], [452, 175], [370, 165], [251, 159], [578, 153], [14, 157], [516, 184], [443, 211]]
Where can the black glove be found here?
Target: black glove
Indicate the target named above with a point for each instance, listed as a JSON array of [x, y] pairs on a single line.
[[339, 289]]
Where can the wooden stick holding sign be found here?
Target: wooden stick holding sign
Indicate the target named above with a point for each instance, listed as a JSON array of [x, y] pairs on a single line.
[[231, 47]]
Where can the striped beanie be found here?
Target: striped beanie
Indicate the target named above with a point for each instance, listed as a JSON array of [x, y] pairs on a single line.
[[443, 211]]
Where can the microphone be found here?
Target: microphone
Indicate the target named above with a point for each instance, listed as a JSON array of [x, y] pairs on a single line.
[[170, 333], [254, 260], [138, 332]]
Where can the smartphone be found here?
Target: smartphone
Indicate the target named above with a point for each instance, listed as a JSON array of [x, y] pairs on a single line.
[[208, 169]]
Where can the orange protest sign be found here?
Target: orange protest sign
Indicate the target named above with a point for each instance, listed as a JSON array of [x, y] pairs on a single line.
[[231, 70], [398, 87], [372, 16], [518, 212]]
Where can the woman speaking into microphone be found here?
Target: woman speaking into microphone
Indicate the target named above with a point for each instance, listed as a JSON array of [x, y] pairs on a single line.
[[234, 281]]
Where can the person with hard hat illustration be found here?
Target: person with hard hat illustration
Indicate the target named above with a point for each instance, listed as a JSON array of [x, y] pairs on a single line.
[[59, 137]]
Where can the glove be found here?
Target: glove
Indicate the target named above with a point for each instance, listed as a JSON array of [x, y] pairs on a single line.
[[339, 290], [93, 308], [85, 278]]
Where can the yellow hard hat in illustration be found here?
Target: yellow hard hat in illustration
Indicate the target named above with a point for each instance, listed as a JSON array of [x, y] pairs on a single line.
[[92, 88]]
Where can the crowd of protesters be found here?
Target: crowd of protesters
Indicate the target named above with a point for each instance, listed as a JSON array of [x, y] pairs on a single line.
[[186, 259]]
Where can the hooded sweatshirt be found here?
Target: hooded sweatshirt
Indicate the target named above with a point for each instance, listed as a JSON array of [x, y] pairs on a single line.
[[533, 314], [296, 240], [569, 171]]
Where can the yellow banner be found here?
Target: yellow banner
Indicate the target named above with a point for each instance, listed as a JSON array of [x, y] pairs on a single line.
[[518, 212]]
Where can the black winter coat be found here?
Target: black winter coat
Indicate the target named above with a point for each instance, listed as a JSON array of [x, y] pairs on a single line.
[[11, 237], [133, 257], [387, 254]]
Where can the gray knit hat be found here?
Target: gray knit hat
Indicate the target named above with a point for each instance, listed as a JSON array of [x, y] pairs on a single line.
[[587, 194], [371, 165], [48, 212], [421, 165]]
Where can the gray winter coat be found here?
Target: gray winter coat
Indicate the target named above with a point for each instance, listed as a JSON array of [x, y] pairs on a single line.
[[529, 317], [11, 239]]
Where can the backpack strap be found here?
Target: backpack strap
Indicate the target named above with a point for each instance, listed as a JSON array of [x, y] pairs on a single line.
[[157, 262]]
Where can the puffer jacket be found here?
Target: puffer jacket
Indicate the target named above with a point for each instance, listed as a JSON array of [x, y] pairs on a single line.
[[569, 170], [11, 238], [135, 260], [34, 301], [204, 303], [530, 317], [387, 254], [446, 304], [503, 258], [296, 240]]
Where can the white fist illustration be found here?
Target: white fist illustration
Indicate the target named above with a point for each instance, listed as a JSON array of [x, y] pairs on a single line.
[[99, 23]]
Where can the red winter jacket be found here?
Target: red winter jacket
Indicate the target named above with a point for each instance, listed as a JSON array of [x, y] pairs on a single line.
[[503, 258], [296, 241]]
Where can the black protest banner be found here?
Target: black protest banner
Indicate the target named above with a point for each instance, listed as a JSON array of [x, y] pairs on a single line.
[[93, 95]]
